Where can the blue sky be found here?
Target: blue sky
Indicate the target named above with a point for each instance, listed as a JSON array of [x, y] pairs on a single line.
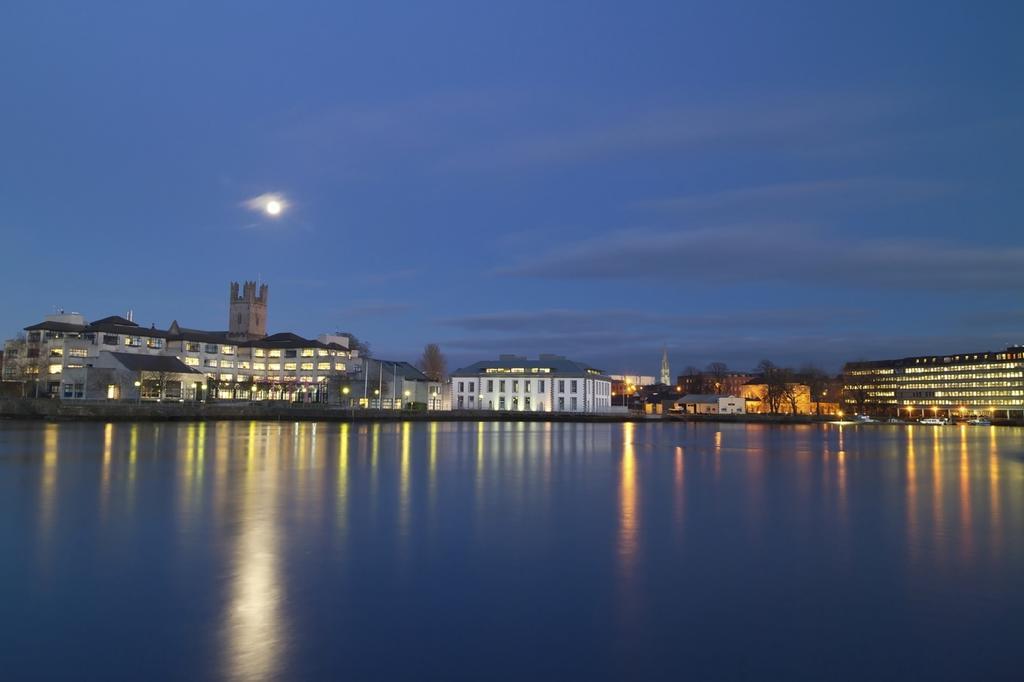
[[801, 181]]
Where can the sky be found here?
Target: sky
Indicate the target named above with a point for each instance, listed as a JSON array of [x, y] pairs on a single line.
[[731, 180]]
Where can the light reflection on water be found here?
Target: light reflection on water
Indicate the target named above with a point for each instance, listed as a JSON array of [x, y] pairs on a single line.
[[291, 551]]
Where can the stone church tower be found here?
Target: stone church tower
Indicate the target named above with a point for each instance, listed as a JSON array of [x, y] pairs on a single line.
[[248, 312]]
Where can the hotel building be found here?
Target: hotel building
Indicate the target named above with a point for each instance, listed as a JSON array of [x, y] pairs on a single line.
[[987, 383], [551, 383], [114, 358]]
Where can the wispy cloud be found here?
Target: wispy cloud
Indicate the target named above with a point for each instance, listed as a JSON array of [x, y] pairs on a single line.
[[841, 193], [791, 254], [377, 309], [798, 124]]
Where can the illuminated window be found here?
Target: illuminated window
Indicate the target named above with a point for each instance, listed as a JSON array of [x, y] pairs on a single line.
[[307, 352], [155, 343], [209, 362], [132, 341], [227, 350], [191, 346], [307, 366], [274, 354], [259, 365], [323, 366], [54, 369], [259, 352], [289, 366], [274, 366], [192, 362], [225, 377], [242, 364], [340, 366], [227, 363], [322, 352]]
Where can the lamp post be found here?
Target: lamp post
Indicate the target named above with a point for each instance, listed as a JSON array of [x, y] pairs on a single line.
[[138, 390], [406, 394]]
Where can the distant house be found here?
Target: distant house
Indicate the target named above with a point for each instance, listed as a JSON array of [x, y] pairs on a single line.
[[710, 404], [551, 383]]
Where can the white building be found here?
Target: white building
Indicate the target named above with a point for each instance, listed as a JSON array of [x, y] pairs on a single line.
[[242, 363], [552, 383], [711, 404]]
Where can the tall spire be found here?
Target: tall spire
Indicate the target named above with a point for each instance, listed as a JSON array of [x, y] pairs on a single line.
[[666, 373]]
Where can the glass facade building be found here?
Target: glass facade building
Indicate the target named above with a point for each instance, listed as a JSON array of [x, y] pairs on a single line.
[[989, 383]]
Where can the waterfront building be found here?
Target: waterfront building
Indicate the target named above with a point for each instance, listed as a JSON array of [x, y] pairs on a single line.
[[392, 384], [795, 398], [989, 383], [710, 404], [551, 383], [241, 363]]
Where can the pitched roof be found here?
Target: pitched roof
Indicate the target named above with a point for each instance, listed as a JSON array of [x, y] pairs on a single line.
[[555, 363], [138, 362], [116, 319]]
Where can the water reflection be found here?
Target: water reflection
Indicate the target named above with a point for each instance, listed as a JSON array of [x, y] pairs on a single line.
[[293, 538]]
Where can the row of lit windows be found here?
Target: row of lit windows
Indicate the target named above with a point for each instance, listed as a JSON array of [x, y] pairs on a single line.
[[962, 368], [517, 370]]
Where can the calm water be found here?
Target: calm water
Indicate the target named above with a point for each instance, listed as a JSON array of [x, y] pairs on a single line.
[[510, 551]]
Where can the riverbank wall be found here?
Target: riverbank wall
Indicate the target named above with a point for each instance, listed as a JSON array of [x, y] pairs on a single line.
[[78, 410]]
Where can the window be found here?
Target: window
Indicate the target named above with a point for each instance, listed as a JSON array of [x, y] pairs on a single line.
[[78, 352], [526, 386], [490, 385], [154, 343], [307, 367], [340, 366], [210, 348], [227, 350], [113, 391], [572, 403], [290, 353], [527, 403], [110, 339], [191, 346], [501, 403], [274, 354], [501, 388], [307, 352], [243, 364], [561, 404], [322, 352], [515, 386], [561, 385], [274, 366], [259, 365], [56, 352], [225, 377], [54, 369], [227, 363], [209, 362], [472, 387], [133, 341], [259, 352], [323, 366], [462, 388], [192, 362], [572, 386], [33, 337], [541, 388], [290, 366], [460, 402]]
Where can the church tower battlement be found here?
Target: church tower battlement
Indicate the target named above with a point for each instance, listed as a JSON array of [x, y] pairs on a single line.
[[248, 311]]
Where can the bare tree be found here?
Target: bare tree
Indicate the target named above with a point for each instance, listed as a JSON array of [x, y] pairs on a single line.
[[357, 344], [817, 383], [776, 382], [716, 373], [433, 362]]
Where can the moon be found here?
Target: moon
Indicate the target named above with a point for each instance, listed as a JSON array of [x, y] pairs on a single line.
[[273, 207]]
